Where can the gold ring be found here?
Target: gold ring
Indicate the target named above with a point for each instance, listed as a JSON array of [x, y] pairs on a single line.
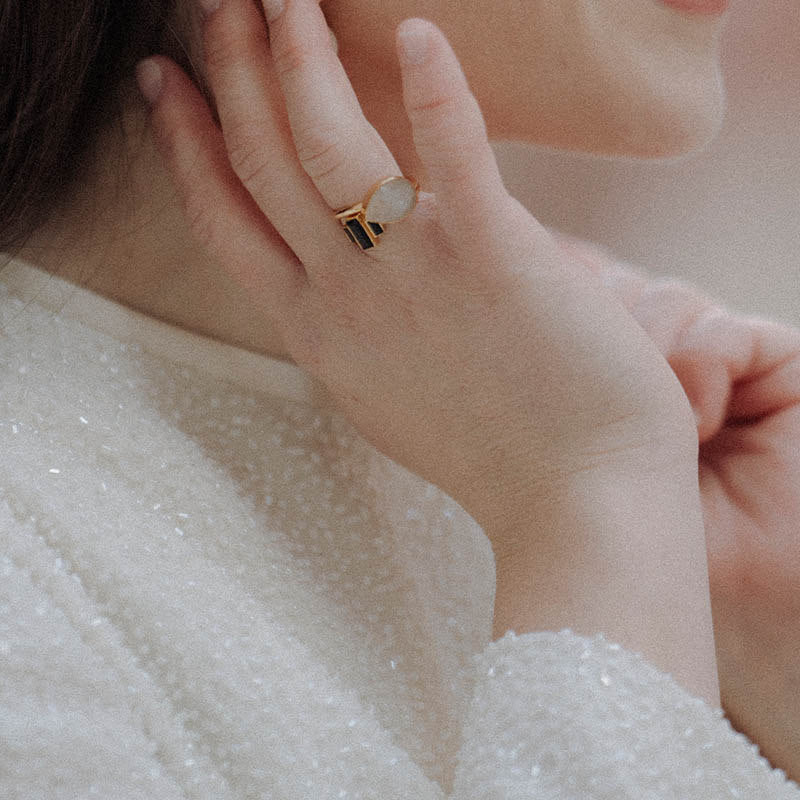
[[389, 200]]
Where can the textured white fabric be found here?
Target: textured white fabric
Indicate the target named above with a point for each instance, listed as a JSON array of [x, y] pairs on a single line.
[[212, 587]]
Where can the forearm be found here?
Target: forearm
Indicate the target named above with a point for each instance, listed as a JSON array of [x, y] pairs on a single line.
[[618, 550]]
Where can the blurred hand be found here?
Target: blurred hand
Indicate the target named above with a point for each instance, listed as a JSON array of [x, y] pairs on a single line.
[[742, 377]]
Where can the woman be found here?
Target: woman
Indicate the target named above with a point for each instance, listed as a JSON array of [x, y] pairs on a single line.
[[230, 575]]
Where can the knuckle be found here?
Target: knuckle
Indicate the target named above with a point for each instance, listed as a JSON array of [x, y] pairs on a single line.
[[774, 341], [708, 317], [184, 153], [229, 43], [441, 106], [319, 152], [667, 295], [289, 57], [453, 115], [664, 286], [432, 231], [249, 161], [449, 250], [200, 218], [453, 173], [434, 107], [436, 120]]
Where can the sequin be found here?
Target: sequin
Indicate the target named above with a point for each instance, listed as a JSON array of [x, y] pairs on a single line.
[[319, 624]]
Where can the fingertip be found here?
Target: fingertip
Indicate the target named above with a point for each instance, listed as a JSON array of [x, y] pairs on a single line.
[[413, 37], [448, 129], [150, 79]]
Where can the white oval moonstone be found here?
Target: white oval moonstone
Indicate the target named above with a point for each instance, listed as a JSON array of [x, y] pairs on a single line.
[[392, 201]]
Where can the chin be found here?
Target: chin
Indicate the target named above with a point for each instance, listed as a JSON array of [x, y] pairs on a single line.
[[662, 131], [673, 125], [648, 122], [621, 98]]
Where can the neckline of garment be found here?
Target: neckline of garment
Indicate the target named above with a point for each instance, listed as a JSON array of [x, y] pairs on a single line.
[[253, 371]]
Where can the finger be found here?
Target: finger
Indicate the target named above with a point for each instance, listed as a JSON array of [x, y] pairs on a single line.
[[221, 214], [705, 358], [449, 130], [341, 151], [627, 283], [739, 369], [682, 323], [258, 137], [669, 310], [732, 367], [666, 308], [768, 372], [691, 331]]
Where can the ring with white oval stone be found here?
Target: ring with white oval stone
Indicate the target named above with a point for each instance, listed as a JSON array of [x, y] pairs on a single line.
[[389, 200]]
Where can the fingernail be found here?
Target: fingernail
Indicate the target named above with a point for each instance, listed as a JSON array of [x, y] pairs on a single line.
[[150, 79], [414, 43], [272, 9], [208, 7]]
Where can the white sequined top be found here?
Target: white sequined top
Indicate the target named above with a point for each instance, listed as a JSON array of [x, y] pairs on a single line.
[[212, 588]]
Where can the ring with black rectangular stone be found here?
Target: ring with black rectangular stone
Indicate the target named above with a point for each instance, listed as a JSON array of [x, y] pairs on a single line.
[[389, 200]]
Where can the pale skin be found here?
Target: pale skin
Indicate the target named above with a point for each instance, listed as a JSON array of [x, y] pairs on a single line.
[[742, 375], [178, 267], [572, 88]]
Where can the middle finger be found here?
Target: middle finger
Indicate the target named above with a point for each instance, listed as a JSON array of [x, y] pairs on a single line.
[[340, 150]]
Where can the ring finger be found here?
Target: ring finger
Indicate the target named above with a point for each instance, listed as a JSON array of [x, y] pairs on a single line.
[[340, 150]]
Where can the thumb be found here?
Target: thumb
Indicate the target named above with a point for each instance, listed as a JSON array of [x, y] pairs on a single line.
[[448, 127]]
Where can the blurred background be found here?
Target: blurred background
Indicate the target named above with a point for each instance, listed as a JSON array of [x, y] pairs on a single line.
[[726, 219]]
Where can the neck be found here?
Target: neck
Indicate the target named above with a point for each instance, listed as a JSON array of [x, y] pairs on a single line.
[[122, 235]]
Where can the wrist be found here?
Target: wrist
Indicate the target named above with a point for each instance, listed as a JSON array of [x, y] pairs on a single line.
[[661, 450], [618, 550]]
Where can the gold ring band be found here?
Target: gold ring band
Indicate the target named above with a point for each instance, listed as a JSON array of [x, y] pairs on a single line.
[[389, 200]]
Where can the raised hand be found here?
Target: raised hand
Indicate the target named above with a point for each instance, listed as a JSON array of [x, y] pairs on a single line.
[[742, 376], [467, 346]]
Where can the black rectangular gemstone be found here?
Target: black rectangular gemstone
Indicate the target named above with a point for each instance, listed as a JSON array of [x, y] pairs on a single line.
[[361, 236], [377, 228]]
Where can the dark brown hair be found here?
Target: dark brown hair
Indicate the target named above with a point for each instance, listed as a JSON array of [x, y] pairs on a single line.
[[65, 70]]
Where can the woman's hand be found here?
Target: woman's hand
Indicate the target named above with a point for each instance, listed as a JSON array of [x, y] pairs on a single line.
[[742, 376], [467, 346]]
